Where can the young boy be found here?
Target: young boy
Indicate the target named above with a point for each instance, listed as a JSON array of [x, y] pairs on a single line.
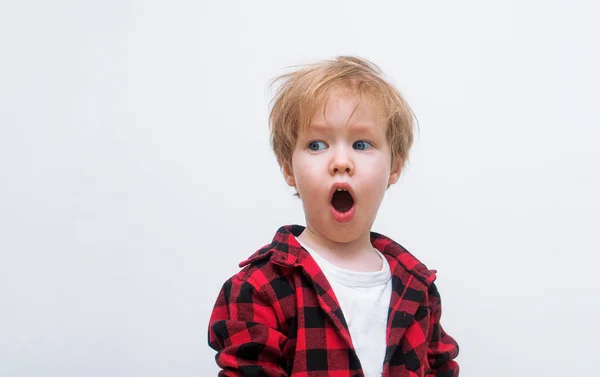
[[334, 299]]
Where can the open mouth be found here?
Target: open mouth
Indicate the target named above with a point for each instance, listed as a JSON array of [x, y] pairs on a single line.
[[342, 201]]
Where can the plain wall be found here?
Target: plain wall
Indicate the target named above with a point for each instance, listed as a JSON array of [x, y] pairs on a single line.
[[136, 172]]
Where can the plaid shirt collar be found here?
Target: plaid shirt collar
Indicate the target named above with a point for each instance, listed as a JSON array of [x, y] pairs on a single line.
[[285, 251]]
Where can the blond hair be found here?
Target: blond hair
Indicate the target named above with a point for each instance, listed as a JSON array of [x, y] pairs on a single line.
[[302, 92]]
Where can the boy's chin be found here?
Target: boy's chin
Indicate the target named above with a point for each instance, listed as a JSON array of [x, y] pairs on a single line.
[[342, 232]]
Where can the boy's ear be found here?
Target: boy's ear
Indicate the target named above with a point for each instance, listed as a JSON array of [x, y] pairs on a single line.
[[395, 171], [288, 174]]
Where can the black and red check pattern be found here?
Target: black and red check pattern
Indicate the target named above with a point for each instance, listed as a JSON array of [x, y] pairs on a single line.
[[279, 317]]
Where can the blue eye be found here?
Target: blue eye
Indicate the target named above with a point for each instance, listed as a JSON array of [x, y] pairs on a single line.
[[314, 145], [362, 145]]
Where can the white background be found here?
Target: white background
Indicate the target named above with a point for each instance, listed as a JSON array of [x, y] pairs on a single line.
[[135, 172]]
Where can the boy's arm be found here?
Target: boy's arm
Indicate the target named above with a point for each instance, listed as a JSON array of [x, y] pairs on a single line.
[[442, 348], [243, 331]]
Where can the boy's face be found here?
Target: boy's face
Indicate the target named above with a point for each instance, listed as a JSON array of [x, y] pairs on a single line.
[[347, 150]]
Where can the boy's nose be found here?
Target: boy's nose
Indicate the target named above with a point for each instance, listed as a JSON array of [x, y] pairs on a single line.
[[341, 163]]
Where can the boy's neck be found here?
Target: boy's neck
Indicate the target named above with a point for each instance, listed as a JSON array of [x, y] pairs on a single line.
[[357, 255]]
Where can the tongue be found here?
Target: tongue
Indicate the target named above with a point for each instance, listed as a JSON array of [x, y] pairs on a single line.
[[342, 201]]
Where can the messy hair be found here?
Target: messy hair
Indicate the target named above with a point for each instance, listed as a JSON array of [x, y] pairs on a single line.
[[302, 91]]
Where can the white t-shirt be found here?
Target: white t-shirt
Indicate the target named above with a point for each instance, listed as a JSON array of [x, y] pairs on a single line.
[[364, 298]]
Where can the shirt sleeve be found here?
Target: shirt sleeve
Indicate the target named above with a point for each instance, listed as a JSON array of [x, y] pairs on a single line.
[[243, 330], [442, 348]]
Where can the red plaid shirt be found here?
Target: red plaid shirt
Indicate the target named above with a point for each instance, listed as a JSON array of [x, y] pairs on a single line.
[[279, 317]]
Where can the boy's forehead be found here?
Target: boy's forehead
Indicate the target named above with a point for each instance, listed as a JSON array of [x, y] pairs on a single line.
[[349, 108]]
